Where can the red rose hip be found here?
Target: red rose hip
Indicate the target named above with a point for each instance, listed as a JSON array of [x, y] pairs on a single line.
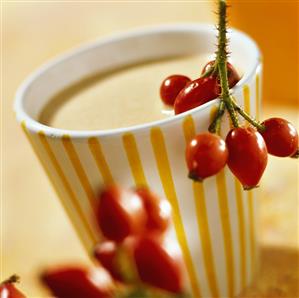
[[8, 289], [171, 87], [281, 137], [78, 282], [196, 93], [206, 155], [120, 213], [158, 210], [159, 265], [247, 155]]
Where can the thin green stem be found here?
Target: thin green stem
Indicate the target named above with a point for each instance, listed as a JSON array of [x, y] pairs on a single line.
[[247, 117], [208, 72], [221, 54], [212, 70], [221, 67], [215, 125], [221, 61]]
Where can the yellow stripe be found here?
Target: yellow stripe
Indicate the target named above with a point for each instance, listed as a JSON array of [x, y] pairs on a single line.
[[202, 218], [251, 230], [78, 228], [246, 95], [241, 221], [70, 193], [163, 165], [98, 155], [188, 128], [133, 156], [257, 96], [250, 195], [226, 228], [75, 160]]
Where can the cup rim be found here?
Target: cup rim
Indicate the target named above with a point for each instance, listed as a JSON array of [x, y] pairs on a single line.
[[35, 126]]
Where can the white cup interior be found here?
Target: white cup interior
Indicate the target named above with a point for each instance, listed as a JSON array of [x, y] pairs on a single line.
[[124, 50]]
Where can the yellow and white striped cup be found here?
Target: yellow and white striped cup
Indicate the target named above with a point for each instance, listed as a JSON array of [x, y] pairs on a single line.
[[214, 221]]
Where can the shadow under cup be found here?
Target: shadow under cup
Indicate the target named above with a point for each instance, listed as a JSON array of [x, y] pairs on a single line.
[[214, 221]]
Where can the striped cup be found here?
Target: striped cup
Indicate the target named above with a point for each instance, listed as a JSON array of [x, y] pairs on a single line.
[[213, 221]]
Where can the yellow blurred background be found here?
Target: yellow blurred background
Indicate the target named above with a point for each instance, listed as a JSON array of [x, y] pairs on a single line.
[[275, 27], [36, 232]]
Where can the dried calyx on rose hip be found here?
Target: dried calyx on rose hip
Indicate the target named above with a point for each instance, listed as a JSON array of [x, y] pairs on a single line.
[[8, 288], [72, 281]]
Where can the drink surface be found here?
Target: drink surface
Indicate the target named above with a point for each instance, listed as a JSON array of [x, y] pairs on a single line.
[[122, 98]]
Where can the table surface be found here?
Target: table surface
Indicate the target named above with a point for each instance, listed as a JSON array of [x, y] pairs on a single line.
[[36, 232]]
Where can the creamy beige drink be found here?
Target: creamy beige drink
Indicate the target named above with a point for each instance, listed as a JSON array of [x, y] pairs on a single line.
[[125, 97]]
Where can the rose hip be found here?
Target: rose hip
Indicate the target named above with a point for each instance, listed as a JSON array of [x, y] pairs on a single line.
[[78, 282], [159, 265], [171, 87], [206, 155], [120, 213], [247, 155], [281, 137], [158, 210], [196, 93]]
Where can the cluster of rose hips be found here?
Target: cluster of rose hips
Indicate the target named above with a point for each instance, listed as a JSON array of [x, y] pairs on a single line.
[[135, 256], [184, 94], [245, 149]]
